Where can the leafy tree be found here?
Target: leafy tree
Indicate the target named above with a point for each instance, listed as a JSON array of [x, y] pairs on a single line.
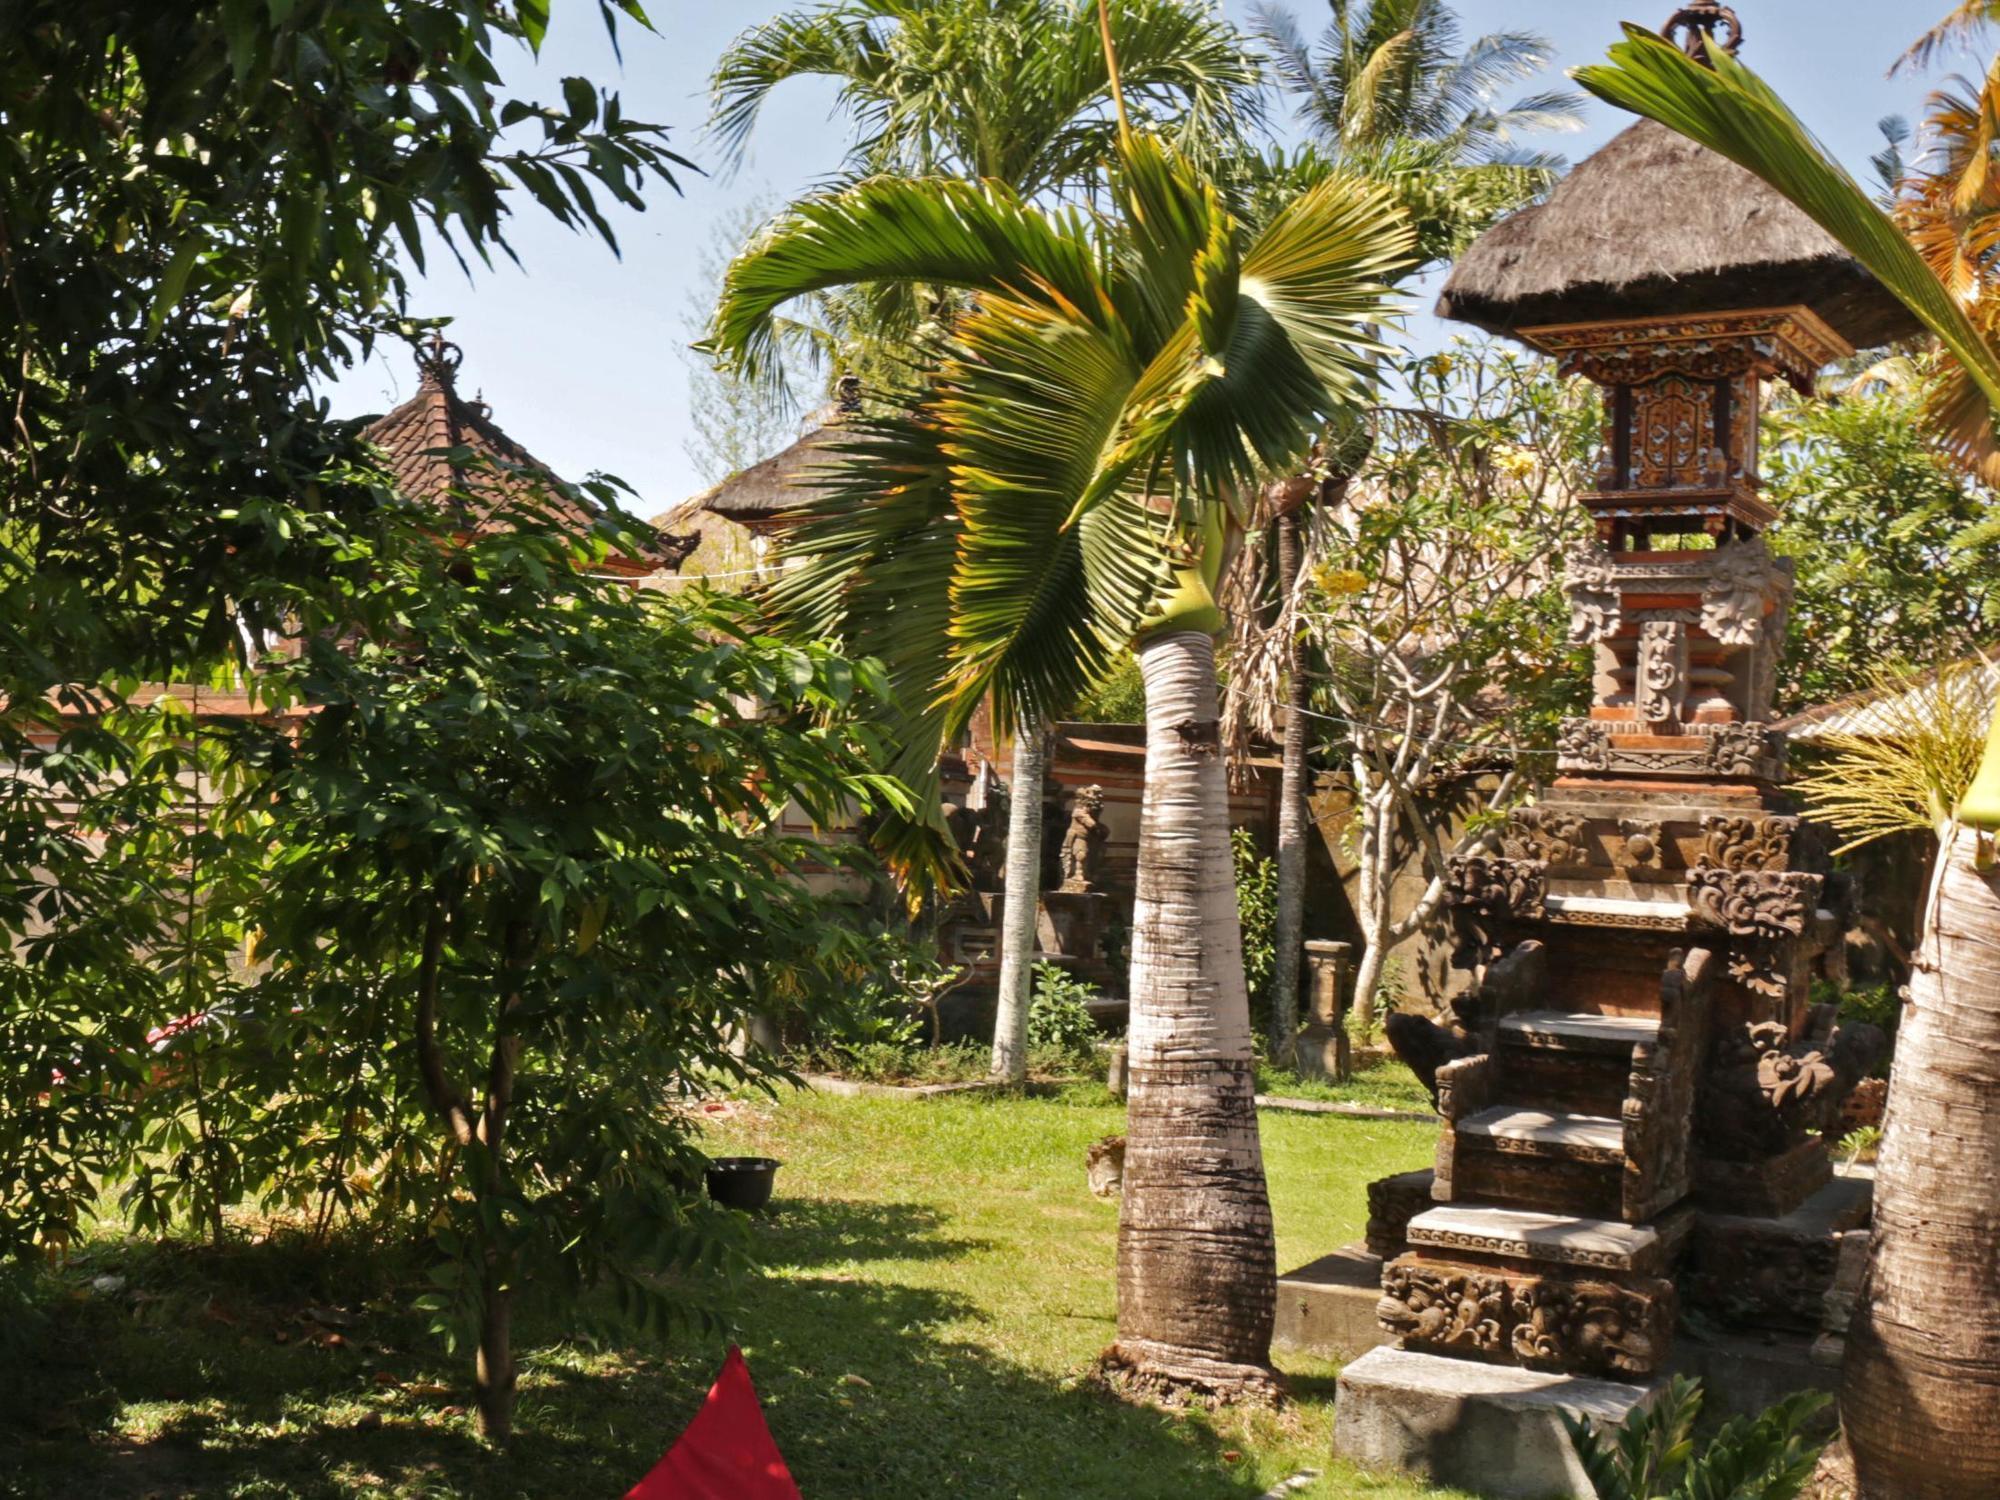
[[204, 206], [535, 819], [1438, 612], [1874, 511], [1923, 1355], [1067, 486]]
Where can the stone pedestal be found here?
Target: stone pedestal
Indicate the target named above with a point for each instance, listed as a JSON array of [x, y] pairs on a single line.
[[1070, 931], [1491, 1429], [1322, 1049], [1328, 1307]]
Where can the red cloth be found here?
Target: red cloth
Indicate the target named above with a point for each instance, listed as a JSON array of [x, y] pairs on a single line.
[[727, 1453]]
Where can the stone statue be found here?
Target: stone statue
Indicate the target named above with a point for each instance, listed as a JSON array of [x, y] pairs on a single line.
[[1083, 843]]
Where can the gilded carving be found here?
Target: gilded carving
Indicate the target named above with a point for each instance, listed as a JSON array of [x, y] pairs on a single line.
[[1673, 435]]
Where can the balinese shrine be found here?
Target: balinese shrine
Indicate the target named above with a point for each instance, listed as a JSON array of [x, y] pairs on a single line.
[[1632, 1176]]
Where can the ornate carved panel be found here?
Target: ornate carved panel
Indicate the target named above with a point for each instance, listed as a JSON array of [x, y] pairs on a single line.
[[1747, 750], [1445, 1308], [1495, 888], [1548, 834], [1673, 435], [1591, 579], [1645, 844], [1746, 843], [1661, 681], [1752, 903], [1598, 1327]]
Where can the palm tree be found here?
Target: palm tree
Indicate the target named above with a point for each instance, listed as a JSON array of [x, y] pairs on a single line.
[[1065, 485], [1386, 71], [1013, 90], [1017, 91], [1922, 1375], [1388, 91]]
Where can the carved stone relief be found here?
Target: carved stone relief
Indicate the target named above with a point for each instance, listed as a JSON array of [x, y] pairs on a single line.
[[1488, 887], [1591, 579], [1745, 843], [1547, 834], [1645, 844], [1752, 903], [1661, 681]]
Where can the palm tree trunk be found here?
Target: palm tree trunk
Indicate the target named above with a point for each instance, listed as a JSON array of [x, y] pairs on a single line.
[[1197, 1268], [1920, 1393], [1023, 884], [1288, 931]]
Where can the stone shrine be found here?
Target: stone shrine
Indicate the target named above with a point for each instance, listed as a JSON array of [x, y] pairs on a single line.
[[1632, 1095]]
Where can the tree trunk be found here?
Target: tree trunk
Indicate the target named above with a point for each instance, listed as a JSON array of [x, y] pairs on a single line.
[[494, 1373], [1920, 1393], [1197, 1268], [1288, 931], [493, 1370], [1377, 890], [1023, 885], [1367, 981]]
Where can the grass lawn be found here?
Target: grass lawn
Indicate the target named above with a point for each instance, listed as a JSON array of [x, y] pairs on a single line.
[[938, 1282]]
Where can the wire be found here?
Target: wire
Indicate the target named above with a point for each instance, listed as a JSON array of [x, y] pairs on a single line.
[[1470, 746]]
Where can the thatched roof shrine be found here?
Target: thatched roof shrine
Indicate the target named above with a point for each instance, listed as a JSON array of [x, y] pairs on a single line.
[[1654, 225], [761, 496], [448, 453]]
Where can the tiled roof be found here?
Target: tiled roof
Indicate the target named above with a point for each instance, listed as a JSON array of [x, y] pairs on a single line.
[[419, 437]]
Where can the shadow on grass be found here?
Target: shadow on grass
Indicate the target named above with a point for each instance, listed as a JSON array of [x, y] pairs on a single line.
[[217, 1376]]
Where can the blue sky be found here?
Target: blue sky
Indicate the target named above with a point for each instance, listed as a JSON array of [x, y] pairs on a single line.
[[578, 351]]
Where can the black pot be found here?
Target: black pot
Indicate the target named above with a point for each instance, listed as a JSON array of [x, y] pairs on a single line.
[[742, 1181]]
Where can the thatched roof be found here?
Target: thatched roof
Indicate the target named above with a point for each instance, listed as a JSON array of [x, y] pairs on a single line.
[[447, 452], [772, 486], [1875, 713], [1655, 224]]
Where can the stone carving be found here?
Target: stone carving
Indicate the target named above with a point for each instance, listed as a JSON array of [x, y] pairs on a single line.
[[1083, 843], [1752, 903], [1547, 834], [1497, 888], [1591, 580], [1600, 1327], [1765, 1091], [1743, 583], [1444, 1307], [1744, 843], [1645, 844], [1583, 745], [1661, 679], [1746, 750]]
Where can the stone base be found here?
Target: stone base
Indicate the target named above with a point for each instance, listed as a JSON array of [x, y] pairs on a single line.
[[1328, 1307], [1322, 1052], [1763, 1274], [1770, 1188], [1490, 1429], [1392, 1203]]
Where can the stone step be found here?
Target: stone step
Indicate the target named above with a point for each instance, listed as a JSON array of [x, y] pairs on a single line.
[[1565, 1032], [1541, 1132], [1523, 1234]]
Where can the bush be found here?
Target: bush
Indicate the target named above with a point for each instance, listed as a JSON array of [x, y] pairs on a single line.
[[1058, 1018], [1257, 908], [1652, 1455]]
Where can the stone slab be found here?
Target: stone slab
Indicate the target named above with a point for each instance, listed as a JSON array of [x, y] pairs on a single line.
[[1546, 1128], [1557, 1028], [1742, 1375], [1329, 1306], [1494, 1430], [1558, 1239]]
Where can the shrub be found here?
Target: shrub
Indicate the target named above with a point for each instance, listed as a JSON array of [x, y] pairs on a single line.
[[1257, 908], [1651, 1456], [1058, 1018]]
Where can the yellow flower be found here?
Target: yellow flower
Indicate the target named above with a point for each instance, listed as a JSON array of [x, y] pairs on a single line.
[[1340, 582]]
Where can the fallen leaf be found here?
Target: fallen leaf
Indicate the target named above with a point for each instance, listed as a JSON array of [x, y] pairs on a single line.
[[1231, 1456], [857, 1380]]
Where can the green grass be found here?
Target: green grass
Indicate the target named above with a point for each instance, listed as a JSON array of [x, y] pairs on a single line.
[[1381, 1082], [938, 1282]]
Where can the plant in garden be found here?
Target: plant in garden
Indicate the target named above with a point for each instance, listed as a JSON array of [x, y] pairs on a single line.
[[543, 810], [1439, 614], [1922, 1370], [1068, 484], [1875, 515], [1256, 905], [204, 207], [1652, 1454], [1058, 1016]]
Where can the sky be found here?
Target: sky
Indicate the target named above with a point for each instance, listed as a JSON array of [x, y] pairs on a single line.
[[580, 353]]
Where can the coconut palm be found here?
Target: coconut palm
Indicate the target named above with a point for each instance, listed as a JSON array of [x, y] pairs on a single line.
[[1922, 1376], [1064, 486], [1017, 91], [1394, 70]]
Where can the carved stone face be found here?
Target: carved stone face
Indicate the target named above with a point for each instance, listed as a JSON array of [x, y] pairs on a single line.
[[1091, 799]]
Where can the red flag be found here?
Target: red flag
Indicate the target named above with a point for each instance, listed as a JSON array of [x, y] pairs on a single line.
[[727, 1453]]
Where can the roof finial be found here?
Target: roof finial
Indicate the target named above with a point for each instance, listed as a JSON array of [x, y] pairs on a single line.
[[1692, 28], [847, 393], [438, 360]]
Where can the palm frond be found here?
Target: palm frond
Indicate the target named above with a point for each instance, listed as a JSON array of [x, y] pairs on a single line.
[[822, 44], [1966, 21], [939, 231]]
